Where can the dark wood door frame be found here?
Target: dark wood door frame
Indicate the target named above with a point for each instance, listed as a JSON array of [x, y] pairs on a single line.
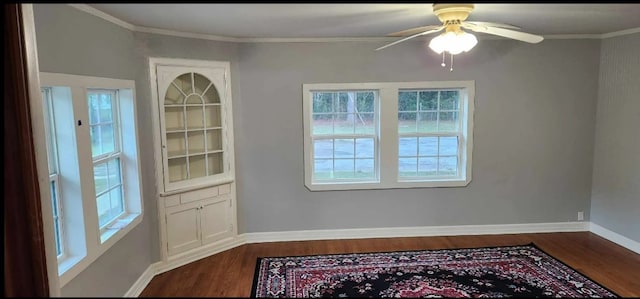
[[25, 266]]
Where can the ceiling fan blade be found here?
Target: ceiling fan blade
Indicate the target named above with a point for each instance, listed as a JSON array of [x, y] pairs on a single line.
[[517, 35], [491, 24], [410, 37], [414, 30]]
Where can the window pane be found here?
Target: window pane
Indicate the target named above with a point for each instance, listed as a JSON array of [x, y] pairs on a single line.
[[364, 148], [343, 168], [94, 109], [343, 123], [106, 111], [56, 217], [323, 148], [344, 148], [114, 172], [322, 124], [100, 176], [408, 147], [96, 147], [407, 167], [449, 100], [427, 166], [322, 168], [447, 165], [448, 122], [407, 101], [407, 122], [365, 123], [104, 209], [117, 206], [448, 146], [364, 168], [365, 101], [322, 102], [428, 146], [427, 122], [108, 138], [428, 100]]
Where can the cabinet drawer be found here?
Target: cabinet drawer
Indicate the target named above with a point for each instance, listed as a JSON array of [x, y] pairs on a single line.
[[199, 194]]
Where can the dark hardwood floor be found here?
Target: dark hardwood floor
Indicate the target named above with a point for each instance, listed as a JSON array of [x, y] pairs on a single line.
[[230, 273]]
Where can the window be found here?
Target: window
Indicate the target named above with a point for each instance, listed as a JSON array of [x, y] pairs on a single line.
[[388, 135], [93, 158], [54, 185]]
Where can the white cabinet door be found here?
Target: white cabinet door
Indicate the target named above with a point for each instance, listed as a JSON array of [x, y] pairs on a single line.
[[215, 220], [183, 228]]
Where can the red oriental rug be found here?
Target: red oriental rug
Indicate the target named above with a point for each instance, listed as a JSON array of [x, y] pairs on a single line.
[[508, 271]]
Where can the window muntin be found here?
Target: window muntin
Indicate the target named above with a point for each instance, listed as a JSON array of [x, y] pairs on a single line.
[[344, 135], [429, 133], [54, 182]]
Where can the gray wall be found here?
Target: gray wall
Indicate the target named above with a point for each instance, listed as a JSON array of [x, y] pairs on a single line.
[[73, 42], [533, 137], [615, 201], [153, 45], [535, 114]]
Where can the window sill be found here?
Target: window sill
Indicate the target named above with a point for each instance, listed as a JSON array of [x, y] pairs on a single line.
[[119, 225], [335, 186]]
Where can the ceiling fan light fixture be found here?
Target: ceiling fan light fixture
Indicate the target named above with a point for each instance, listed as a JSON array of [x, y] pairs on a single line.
[[453, 42]]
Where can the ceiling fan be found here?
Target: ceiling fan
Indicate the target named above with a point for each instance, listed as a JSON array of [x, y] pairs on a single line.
[[455, 40]]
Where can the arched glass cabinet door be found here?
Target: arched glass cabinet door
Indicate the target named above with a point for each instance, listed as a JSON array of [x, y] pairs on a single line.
[[192, 111]]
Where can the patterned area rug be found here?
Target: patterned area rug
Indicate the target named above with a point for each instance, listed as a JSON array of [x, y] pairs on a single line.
[[509, 271]]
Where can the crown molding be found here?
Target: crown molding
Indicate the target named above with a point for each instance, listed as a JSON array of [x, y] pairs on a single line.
[[103, 15], [621, 32], [89, 9]]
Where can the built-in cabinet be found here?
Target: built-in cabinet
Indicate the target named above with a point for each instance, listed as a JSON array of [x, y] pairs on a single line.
[[194, 154]]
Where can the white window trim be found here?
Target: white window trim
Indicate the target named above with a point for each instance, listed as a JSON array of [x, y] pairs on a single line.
[[94, 241], [387, 166]]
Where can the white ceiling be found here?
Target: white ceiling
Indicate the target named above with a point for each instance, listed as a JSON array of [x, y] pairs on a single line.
[[365, 20]]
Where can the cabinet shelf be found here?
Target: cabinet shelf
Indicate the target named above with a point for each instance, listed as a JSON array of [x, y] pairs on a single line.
[[191, 105], [172, 156]]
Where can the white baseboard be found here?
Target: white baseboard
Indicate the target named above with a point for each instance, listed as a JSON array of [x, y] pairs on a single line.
[[200, 253], [356, 233], [615, 237], [142, 282], [419, 231]]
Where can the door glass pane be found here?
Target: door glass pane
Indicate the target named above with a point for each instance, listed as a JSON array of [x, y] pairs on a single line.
[[177, 169], [213, 117], [195, 118], [214, 140], [200, 83], [214, 161], [173, 96], [197, 166], [174, 118], [196, 142], [183, 82], [211, 96]]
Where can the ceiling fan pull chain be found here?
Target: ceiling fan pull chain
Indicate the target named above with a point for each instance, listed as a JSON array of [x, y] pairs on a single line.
[[451, 69], [443, 65]]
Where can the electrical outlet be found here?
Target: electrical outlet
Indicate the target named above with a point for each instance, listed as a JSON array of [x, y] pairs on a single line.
[[580, 216]]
